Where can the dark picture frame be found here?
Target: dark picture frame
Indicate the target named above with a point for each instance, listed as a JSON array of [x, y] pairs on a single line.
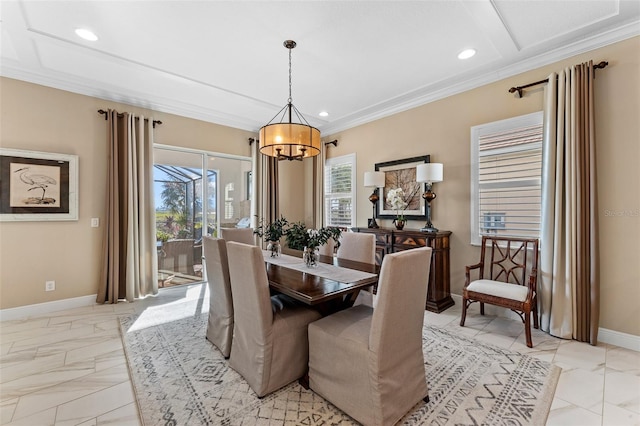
[[402, 174], [38, 186]]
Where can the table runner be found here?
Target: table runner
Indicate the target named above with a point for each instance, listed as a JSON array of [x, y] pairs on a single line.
[[324, 270]]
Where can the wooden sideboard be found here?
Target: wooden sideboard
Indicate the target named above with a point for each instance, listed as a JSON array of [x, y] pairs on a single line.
[[391, 240]]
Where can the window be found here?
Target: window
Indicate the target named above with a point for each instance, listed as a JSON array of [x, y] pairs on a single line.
[[506, 167], [339, 194]]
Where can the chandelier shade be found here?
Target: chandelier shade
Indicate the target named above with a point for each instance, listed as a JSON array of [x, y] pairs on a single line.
[[288, 140]]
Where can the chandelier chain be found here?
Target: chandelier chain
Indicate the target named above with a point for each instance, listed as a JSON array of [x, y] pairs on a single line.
[[290, 99]]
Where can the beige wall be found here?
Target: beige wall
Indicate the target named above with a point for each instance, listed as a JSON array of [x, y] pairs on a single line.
[[442, 129], [38, 118], [42, 119]]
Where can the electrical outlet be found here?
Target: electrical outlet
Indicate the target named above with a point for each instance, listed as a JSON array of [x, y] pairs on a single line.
[[49, 285], [95, 222]]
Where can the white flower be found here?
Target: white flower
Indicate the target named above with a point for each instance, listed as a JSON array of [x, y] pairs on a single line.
[[395, 197]]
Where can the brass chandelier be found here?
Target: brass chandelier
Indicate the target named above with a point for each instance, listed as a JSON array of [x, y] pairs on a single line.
[[287, 140]]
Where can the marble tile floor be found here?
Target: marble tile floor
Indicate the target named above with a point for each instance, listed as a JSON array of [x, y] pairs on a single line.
[[69, 368]]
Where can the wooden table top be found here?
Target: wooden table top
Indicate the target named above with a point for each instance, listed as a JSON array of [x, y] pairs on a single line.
[[312, 289]]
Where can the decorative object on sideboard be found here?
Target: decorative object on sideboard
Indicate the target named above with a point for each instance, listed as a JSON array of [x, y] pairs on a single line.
[[429, 173], [373, 180], [396, 199], [287, 140]]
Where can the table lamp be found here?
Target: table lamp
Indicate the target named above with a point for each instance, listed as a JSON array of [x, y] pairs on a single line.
[[373, 180], [429, 173]]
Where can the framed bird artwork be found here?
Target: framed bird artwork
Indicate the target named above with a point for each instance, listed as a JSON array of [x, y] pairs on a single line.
[[38, 186]]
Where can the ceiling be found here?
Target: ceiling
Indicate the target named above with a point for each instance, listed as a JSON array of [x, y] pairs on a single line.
[[224, 61]]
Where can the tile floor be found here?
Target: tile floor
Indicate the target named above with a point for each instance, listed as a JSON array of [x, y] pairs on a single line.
[[68, 367]]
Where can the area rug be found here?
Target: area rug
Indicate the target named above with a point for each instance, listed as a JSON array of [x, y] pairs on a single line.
[[181, 379]]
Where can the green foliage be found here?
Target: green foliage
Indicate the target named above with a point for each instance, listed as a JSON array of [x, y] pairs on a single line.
[[163, 236], [299, 237], [272, 231]]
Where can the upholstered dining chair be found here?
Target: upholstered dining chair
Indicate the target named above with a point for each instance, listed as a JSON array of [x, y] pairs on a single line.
[[359, 247], [220, 323], [328, 248], [507, 277], [270, 347], [239, 235], [369, 362]]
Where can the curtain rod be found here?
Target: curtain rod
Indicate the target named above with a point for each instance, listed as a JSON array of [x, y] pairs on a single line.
[[105, 113], [519, 89]]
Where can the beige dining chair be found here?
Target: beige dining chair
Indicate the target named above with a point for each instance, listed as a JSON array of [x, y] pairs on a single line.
[[239, 235], [369, 362], [220, 323], [270, 347], [327, 249], [359, 247]]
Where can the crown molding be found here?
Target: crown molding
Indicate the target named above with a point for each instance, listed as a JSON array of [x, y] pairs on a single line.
[[389, 107]]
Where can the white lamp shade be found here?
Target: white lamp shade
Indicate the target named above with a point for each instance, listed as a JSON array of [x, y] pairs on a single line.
[[429, 172], [374, 179]]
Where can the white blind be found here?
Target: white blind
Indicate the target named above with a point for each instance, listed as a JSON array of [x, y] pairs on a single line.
[[339, 206], [508, 167]]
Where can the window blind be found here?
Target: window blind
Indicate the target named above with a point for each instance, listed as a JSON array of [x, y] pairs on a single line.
[[509, 171], [338, 191]]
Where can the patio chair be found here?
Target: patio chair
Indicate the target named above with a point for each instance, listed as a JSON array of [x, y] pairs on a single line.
[[177, 256]]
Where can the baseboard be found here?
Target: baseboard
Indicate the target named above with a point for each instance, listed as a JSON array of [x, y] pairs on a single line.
[[612, 337], [624, 340], [47, 307]]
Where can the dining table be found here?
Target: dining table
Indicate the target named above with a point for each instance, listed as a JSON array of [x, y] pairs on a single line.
[[331, 285]]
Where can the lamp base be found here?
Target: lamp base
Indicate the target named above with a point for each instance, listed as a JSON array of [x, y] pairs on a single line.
[[372, 223], [429, 229]]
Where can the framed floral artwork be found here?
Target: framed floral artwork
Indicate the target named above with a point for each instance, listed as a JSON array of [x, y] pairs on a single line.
[[402, 174], [38, 186]]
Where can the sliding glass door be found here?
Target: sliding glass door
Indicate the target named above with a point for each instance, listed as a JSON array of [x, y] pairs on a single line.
[[195, 193]]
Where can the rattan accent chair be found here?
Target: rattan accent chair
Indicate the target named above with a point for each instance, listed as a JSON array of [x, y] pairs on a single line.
[[507, 277]]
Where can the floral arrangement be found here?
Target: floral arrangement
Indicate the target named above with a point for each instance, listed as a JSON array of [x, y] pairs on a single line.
[[395, 198], [299, 237], [272, 231]]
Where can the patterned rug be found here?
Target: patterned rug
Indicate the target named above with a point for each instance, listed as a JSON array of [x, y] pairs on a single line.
[[181, 379]]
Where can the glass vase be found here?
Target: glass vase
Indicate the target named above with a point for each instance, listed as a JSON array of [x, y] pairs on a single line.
[[274, 248], [310, 255], [399, 224]]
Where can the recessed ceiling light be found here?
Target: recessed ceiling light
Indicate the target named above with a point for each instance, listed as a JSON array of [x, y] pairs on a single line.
[[86, 34], [466, 54], [323, 114]]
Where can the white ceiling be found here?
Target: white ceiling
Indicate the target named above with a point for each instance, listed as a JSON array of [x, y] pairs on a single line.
[[224, 62]]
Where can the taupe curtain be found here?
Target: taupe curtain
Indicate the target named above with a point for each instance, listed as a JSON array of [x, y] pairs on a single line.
[[129, 267], [318, 187], [265, 186], [569, 277]]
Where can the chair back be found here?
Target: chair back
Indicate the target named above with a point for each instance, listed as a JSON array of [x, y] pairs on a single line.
[[328, 248], [396, 325], [220, 324], [510, 260], [177, 256], [356, 246], [239, 235]]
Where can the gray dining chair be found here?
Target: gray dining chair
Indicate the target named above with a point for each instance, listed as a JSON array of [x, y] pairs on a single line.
[[369, 362], [220, 322], [359, 247], [239, 235], [270, 347]]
